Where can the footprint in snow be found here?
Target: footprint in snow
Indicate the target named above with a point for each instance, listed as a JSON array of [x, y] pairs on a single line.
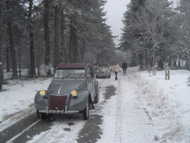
[[71, 124], [67, 129]]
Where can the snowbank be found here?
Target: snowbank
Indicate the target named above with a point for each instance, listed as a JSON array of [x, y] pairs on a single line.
[[148, 109], [19, 95], [173, 108]]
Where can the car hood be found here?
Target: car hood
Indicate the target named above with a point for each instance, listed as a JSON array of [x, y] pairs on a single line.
[[64, 87]]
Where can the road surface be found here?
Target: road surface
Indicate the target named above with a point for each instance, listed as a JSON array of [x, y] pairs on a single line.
[[121, 116]]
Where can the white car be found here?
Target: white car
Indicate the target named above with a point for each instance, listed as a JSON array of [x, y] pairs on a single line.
[[103, 72]]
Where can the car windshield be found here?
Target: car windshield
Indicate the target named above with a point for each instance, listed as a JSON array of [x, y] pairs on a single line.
[[70, 73]]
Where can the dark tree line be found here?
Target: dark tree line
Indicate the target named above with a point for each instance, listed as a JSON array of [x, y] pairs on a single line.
[[44, 34], [154, 33]]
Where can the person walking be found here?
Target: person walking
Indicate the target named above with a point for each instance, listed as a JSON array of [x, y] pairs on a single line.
[[124, 67], [116, 69], [167, 71]]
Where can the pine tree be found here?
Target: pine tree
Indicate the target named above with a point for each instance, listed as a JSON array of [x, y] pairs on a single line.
[[31, 37], [149, 31], [76, 31]]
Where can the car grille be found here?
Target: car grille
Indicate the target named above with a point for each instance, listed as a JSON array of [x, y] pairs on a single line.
[[57, 102]]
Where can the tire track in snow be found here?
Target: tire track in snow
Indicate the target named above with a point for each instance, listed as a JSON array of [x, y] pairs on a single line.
[[92, 131], [124, 121], [118, 123]]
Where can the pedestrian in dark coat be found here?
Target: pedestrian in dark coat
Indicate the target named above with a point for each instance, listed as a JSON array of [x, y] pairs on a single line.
[[124, 67]]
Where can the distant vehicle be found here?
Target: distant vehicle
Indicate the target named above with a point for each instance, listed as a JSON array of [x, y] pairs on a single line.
[[103, 71], [73, 89]]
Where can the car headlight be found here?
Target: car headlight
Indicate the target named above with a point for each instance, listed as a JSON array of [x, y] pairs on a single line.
[[74, 93], [42, 92]]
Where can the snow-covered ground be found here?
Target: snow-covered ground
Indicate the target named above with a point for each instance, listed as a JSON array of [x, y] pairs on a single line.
[[19, 95], [124, 120], [176, 102], [148, 109], [145, 109]]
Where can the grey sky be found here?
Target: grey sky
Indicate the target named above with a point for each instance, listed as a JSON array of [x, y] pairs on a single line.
[[175, 2], [115, 10]]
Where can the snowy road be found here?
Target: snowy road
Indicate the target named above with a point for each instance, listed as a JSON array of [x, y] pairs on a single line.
[[124, 120], [66, 128], [137, 108]]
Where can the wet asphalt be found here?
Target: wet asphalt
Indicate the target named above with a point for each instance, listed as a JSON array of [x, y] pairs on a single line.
[[16, 128]]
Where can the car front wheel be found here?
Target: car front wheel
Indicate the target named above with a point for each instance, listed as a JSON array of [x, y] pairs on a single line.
[[86, 112], [96, 98], [42, 116]]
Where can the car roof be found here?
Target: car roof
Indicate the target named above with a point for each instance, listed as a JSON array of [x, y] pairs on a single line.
[[71, 66]]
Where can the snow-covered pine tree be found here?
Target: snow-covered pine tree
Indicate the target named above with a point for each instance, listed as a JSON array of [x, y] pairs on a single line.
[[149, 32]]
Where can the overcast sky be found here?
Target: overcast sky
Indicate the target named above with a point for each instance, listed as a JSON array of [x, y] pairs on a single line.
[[115, 10]]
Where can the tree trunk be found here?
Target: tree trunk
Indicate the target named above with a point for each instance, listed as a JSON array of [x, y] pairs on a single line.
[[83, 49], [31, 37], [1, 66], [63, 51], [73, 49], [7, 59], [12, 50], [46, 31], [19, 63], [7, 48], [11, 41], [1, 75], [56, 38]]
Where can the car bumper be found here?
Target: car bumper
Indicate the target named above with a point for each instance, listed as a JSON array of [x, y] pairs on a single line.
[[75, 105], [58, 111], [103, 75]]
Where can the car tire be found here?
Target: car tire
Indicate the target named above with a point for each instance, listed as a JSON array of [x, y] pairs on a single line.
[[42, 116], [96, 99], [86, 112], [91, 103]]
